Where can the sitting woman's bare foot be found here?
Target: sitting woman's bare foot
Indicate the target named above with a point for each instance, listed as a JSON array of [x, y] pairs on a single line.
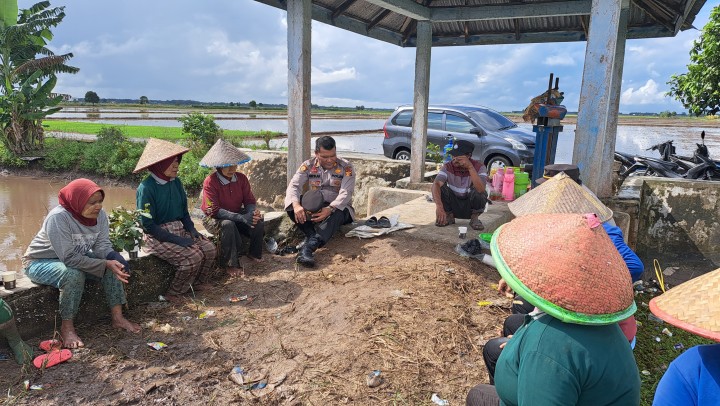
[[126, 325], [68, 335], [235, 272], [119, 321]]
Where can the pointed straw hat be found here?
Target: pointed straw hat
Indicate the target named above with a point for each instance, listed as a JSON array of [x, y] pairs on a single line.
[[692, 306], [566, 265], [560, 194], [157, 150], [223, 154]]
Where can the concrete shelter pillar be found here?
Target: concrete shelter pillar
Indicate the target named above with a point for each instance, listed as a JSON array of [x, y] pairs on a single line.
[[299, 13], [616, 87], [594, 141], [418, 143]]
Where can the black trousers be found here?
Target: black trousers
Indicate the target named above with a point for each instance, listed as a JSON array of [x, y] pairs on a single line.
[[492, 350], [473, 203], [482, 395], [231, 238], [326, 228]]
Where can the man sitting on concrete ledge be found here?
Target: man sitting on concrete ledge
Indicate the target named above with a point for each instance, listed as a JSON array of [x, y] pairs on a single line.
[[335, 179], [459, 188]]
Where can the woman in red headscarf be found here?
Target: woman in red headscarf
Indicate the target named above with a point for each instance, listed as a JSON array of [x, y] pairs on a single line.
[[170, 234], [72, 245]]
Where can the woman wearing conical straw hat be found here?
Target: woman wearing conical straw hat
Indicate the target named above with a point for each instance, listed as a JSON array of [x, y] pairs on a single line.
[[170, 233], [229, 206], [693, 378], [571, 350]]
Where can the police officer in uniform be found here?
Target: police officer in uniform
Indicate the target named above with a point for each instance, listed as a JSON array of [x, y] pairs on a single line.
[[334, 179]]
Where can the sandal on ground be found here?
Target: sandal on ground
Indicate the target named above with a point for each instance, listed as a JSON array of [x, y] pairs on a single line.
[[372, 222], [384, 222], [51, 359], [50, 345], [476, 225]]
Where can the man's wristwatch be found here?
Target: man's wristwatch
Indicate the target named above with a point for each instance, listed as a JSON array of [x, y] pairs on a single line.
[[332, 209]]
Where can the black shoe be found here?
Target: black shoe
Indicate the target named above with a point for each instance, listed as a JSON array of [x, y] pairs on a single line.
[[305, 256]]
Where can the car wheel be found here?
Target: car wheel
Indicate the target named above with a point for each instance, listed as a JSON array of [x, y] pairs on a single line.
[[402, 155], [497, 161]]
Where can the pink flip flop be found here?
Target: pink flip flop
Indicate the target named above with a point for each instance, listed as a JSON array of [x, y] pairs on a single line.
[[51, 359], [50, 345]]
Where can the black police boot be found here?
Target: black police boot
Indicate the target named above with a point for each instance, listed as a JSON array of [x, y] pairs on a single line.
[[306, 257]]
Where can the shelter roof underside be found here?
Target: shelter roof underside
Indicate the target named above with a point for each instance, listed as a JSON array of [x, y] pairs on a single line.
[[477, 22]]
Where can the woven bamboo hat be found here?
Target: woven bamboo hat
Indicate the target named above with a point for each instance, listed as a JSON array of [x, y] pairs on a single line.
[[157, 150], [692, 306], [566, 265], [560, 194], [223, 154]]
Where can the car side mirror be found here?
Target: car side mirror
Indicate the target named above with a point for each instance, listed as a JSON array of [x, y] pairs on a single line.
[[477, 131]]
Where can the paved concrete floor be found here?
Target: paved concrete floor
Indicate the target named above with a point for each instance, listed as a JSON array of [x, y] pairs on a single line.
[[421, 213]]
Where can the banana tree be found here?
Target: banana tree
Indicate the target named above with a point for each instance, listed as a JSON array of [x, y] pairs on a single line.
[[28, 73]]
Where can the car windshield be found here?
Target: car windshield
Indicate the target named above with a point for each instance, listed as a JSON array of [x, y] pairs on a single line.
[[492, 121]]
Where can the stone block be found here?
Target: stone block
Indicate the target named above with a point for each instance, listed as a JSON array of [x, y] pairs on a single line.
[[382, 198]]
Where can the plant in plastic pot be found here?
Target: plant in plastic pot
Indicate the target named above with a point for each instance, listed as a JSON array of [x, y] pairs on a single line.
[[125, 229]]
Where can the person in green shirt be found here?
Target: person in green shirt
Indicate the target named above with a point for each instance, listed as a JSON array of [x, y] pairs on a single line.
[[170, 233], [571, 350]]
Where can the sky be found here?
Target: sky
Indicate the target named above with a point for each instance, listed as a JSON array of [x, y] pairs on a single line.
[[236, 51]]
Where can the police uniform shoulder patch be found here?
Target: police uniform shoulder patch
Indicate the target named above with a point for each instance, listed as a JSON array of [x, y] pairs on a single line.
[[303, 168], [348, 170]]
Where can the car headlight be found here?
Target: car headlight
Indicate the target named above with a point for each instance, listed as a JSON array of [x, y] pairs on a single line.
[[516, 144]]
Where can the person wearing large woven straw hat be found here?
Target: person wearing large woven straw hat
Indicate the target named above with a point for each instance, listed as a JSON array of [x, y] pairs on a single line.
[[571, 350], [561, 193], [229, 206], [170, 234], [693, 378]]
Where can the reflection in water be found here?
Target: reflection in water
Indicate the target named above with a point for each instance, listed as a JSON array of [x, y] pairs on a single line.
[[24, 202]]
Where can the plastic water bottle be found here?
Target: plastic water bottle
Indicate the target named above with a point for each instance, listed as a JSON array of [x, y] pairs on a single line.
[[446, 150], [509, 186]]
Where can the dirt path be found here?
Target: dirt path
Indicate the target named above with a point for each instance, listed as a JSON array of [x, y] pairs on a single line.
[[405, 307]]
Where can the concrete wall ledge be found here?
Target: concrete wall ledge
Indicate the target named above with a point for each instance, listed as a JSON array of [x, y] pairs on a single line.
[[383, 198], [679, 225]]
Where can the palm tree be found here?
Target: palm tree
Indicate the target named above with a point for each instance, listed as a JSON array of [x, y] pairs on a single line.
[[28, 74]]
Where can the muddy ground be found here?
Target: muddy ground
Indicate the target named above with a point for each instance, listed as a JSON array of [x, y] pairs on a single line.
[[406, 307]]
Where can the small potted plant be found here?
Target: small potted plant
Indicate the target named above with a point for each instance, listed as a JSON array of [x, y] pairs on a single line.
[[125, 229]]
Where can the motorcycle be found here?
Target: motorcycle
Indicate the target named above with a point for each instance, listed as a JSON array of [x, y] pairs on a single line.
[[671, 165]]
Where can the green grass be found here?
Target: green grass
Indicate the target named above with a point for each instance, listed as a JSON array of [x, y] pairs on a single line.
[[138, 131], [652, 356]]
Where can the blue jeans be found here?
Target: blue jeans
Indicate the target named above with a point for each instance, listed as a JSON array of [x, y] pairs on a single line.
[[71, 283]]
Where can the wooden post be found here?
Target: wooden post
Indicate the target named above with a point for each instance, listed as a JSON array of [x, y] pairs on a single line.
[[418, 143], [615, 89], [299, 50]]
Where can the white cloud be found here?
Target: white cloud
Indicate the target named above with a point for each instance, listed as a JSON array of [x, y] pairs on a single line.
[[646, 94], [319, 77], [560, 60]]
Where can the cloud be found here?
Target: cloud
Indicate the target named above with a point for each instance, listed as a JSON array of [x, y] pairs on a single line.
[[560, 60], [319, 77], [646, 94]]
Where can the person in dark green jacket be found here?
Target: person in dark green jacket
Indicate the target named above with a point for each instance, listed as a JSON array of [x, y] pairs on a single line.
[[571, 350], [170, 233]]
